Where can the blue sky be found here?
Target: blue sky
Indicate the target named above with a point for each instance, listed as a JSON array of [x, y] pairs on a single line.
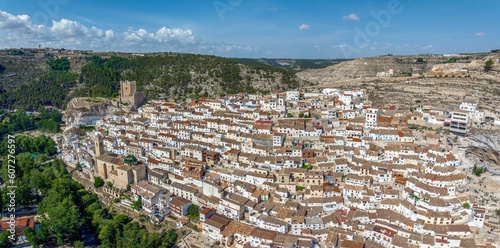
[[255, 29]]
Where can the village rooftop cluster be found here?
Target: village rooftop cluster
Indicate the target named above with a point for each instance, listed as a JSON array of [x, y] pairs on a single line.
[[291, 169]]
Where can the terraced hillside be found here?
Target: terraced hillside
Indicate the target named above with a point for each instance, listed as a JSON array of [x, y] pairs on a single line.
[[369, 67]]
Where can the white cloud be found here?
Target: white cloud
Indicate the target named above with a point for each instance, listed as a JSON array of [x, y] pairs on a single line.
[[353, 17], [304, 27], [272, 9], [19, 31], [12, 22], [427, 47], [339, 47], [317, 47], [387, 46], [480, 34]]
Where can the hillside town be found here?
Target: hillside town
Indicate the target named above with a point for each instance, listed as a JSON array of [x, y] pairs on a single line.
[[291, 169]]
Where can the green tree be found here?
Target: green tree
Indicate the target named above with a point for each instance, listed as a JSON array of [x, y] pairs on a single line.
[[466, 205], [137, 205], [193, 211], [108, 232], [78, 244], [5, 241], [121, 219], [306, 166], [60, 64], [31, 236], [98, 182], [60, 218], [478, 171], [488, 64]]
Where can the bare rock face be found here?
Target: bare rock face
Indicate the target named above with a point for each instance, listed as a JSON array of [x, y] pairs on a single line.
[[86, 111], [485, 148], [70, 135]]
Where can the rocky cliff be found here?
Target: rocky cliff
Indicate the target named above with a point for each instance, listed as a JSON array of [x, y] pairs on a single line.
[[86, 111], [485, 148]]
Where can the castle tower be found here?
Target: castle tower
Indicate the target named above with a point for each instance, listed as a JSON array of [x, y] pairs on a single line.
[[128, 88], [129, 94]]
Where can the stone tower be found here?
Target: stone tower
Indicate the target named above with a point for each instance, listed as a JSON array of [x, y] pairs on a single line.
[[99, 147], [129, 94], [128, 88]]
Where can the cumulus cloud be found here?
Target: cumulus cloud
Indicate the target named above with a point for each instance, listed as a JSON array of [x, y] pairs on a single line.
[[12, 22], [480, 34], [353, 17], [19, 31], [304, 27]]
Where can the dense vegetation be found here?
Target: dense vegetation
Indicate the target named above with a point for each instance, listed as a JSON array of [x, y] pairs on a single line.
[[51, 88], [40, 145], [65, 208], [193, 211], [170, 76], [60, 64], [478, 171], [11, 123]]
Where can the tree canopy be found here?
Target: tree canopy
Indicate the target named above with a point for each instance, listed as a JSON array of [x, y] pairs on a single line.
[[158, 76], [488, 64], [60, 64], [65, 208]]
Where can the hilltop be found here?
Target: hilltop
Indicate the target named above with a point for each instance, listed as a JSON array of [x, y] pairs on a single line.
[[29, 83]]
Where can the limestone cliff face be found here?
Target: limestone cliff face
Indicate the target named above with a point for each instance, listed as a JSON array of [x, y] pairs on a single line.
[[84, 111], [484, 147]]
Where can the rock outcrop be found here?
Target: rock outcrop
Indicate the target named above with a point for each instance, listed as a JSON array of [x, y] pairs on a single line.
[[485, 148], [86, 111]]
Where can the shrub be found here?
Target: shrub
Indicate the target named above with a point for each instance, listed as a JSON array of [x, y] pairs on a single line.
[[98, 182]]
